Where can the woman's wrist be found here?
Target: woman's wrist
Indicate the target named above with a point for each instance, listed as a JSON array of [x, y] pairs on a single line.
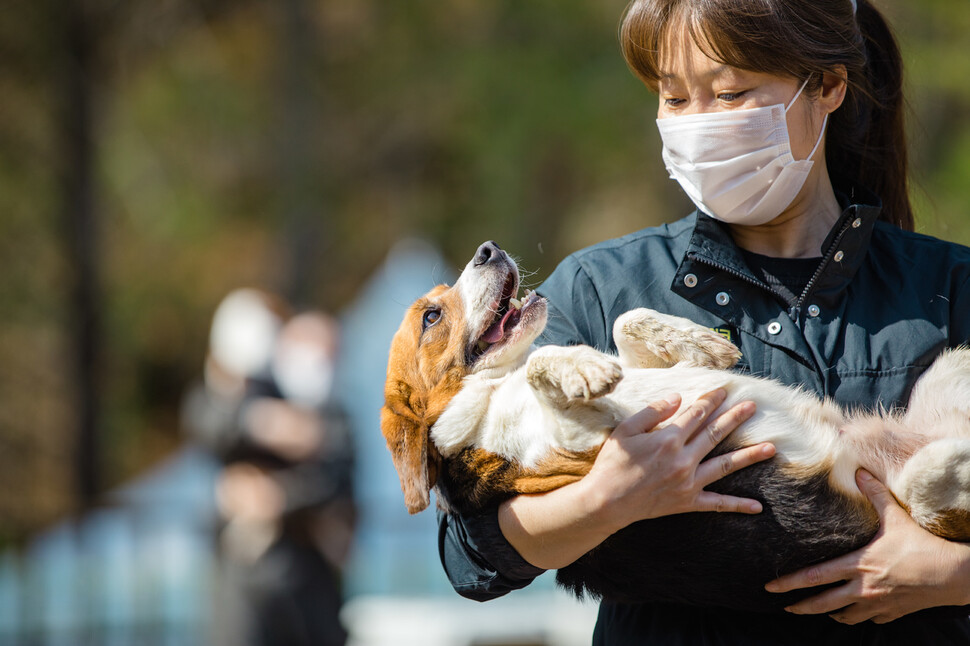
[[961, 578], [599, 507]]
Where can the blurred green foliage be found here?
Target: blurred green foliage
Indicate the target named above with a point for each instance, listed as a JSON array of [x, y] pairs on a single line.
[[456, 121]]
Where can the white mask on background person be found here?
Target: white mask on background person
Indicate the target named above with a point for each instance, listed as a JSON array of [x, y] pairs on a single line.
[[244, 330], [736, 166], [304, 373]]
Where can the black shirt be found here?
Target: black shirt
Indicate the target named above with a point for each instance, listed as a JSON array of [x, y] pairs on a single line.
[[787, 277]]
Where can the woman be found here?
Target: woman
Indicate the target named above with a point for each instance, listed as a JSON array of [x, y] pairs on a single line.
[[782, 121]]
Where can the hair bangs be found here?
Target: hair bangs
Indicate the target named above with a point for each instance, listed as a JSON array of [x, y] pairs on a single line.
[[737, 34], [645, 28]]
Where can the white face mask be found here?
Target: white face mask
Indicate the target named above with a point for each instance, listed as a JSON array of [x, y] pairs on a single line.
[[737, 165], [303, 373]]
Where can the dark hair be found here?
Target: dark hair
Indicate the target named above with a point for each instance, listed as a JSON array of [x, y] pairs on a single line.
[[866, 140]]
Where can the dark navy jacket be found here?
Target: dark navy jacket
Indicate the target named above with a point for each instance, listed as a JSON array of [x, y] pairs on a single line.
[[881, 306]]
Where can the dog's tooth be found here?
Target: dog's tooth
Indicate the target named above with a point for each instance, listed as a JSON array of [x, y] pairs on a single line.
[[516, 303]]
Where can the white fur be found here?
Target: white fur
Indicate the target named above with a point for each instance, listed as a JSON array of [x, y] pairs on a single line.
[[935, 479], [522, 403]]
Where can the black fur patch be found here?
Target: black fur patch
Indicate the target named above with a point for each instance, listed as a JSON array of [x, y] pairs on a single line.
[[703, 559], [721, 559], [475, 479]]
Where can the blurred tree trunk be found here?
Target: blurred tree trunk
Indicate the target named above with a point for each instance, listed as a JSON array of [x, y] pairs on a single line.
[[303, 224], [80, 239]]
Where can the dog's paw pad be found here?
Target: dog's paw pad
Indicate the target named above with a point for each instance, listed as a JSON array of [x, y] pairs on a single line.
[[594, 376], [703, 347]]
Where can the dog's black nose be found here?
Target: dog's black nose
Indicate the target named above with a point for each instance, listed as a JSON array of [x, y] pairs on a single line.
[[486, 252]]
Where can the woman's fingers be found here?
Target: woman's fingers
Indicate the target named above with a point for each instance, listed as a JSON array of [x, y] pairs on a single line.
[[839, 569], [712, 470], [709, 501], [663, 469], [693, 418], [707, 436], [646, 419], [835, 600], [712, 433]]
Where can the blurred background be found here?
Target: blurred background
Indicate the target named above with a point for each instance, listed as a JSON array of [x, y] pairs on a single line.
[[288, 161]]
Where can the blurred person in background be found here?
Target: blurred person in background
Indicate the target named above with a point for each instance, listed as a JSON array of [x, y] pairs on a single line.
[[285, 496]]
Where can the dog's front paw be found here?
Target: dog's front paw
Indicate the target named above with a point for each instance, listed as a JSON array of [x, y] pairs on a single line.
[[577, 373], [592, 375]]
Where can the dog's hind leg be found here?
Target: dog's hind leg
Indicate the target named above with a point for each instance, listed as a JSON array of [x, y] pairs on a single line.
[[942, 392], [935, 485], [648, 339], [935, 482]]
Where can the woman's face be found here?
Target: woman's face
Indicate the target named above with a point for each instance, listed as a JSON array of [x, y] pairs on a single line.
[[692, 83]]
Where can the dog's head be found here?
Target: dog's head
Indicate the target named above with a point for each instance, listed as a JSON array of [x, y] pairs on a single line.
[[478, 325]]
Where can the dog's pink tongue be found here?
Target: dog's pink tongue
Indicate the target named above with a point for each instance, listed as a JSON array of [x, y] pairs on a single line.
[[496, 333]]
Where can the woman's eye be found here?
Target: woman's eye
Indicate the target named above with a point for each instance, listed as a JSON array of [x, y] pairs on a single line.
[[673, 102], [730, 96], [431, 317]]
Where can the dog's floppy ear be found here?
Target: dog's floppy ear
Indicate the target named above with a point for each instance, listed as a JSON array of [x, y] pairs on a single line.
[[406, 432]]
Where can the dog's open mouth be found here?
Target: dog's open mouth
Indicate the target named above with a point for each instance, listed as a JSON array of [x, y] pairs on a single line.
[[507, 317]]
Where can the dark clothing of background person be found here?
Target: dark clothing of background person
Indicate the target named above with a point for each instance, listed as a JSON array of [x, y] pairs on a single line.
[[290, 593], [880, 306]]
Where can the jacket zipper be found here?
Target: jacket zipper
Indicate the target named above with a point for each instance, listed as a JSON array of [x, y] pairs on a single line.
[[734, 272], [796, 308], [833, 248]]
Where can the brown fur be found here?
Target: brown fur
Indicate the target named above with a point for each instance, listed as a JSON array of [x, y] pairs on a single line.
[[424, 372], [477, 478], [426, 366], [559, 470], [952, 524]]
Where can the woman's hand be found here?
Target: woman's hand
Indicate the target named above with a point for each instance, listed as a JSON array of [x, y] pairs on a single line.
[[646, 472], [640, 472], [904, 569]]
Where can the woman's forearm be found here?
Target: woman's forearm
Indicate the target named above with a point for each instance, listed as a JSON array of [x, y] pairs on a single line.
[[959, 567], [640, 472], [553, 529]]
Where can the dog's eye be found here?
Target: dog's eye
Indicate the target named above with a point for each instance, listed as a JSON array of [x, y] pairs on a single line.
[[431, 317]]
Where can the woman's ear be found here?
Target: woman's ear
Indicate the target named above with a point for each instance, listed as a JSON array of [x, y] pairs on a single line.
[[834, 87]]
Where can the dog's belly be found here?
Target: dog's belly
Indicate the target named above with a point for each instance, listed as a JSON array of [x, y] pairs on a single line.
[[806, 431], [813, 511], [722, 559]]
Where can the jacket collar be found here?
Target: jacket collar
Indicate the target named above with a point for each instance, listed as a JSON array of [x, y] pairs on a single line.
[[844, 248]]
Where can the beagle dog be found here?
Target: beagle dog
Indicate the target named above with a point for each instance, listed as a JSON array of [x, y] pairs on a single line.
[[476, 412]]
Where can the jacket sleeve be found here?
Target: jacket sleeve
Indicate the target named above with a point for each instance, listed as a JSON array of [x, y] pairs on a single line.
[[479, 562]]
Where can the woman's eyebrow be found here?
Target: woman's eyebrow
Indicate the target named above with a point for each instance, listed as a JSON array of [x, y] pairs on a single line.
[[712, 73]]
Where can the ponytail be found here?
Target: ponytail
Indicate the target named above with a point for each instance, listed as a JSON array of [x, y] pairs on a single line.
[[868, 136]]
